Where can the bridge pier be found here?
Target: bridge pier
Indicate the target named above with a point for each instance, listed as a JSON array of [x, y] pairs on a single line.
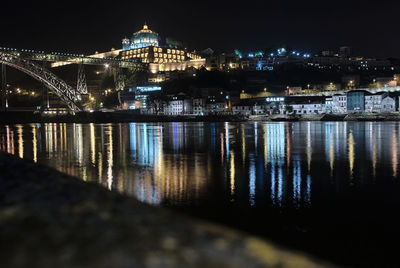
[[81, 85]]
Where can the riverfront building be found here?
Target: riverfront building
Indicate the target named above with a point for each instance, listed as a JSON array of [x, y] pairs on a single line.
[[356, 101]]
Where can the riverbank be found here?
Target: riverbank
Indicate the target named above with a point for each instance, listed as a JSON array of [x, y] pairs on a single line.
[[49, 219], [126, 117]]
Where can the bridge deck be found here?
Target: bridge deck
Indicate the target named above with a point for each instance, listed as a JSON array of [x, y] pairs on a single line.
[[61, 59]]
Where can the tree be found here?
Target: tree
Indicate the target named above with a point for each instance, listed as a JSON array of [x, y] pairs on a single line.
[[134, 77]]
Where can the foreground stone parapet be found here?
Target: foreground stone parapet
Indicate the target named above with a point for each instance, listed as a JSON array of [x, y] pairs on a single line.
[[48, 219]]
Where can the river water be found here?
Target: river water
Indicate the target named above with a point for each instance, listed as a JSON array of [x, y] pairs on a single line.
[[328, 188]]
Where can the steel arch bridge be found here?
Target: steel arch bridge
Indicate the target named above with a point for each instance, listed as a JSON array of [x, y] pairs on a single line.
[[65, 92]]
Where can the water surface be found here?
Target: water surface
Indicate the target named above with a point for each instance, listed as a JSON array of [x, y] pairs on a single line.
[[330, 188]]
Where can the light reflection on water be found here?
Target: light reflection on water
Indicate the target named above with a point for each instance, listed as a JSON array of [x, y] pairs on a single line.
[[253, 164]]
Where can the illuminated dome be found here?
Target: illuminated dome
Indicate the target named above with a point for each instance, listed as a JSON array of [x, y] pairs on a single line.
[[142, 38]]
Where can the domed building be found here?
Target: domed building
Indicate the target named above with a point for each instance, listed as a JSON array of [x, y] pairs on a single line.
[[145, 46], [140, 39]]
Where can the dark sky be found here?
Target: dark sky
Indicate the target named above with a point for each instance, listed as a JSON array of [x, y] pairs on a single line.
[[370, 27]]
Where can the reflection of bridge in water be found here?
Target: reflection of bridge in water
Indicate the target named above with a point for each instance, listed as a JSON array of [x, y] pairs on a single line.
[[27, 61]]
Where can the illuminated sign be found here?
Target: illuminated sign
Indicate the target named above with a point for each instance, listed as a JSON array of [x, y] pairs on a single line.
[[148, 89], [275, 99]]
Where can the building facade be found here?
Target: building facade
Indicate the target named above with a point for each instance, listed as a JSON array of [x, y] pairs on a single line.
[[309, 108], [388, 105], [356, 101], [373, 102], [144, 45], [339, 104], [199, 106]]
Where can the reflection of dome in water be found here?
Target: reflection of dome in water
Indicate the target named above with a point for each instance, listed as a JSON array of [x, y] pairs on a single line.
[[142, 38]]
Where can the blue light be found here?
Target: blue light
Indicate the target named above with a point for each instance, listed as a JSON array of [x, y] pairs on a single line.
[[272, 54], [148, 89], [251, 55], [259, 66]]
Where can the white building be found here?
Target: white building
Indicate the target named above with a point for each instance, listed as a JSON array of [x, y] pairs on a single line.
[[328, 104], [388, 105], [214, 107], [258, 109], [373, 102], [242, 109], [339, 104], [199, 106], [309, 108], [178, 106]]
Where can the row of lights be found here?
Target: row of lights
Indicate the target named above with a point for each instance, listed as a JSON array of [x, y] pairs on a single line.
[[62, 54]]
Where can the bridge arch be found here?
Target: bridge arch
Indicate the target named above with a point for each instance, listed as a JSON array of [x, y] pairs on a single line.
[[65, 92]]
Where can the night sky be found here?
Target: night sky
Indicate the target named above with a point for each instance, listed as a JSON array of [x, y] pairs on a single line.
[[371, 28]]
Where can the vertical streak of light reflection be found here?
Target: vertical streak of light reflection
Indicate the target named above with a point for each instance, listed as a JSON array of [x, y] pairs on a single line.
[[34, 143], [222, 148], [227, 140], [297, 182], [110, 157], [265, 146], [351, 153], [243, 143], [331, 153], [280, 184], [255, 136], [273, 184], [20, 142], [252, 181], [395, 151], [79, 144], [10, 140], [232, 173], [309, 152], [92, 144]]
